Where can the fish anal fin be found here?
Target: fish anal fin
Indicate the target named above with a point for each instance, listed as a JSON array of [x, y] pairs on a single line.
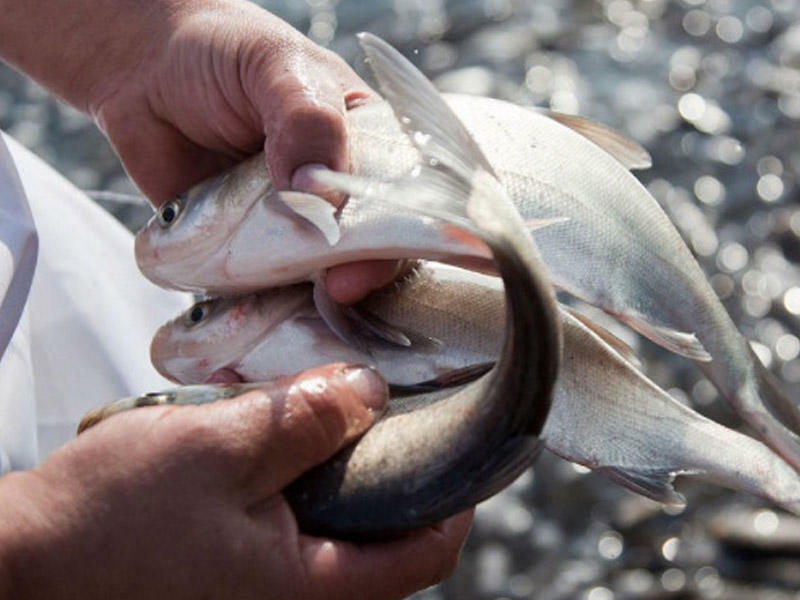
[[679, 342], [631, 154], [656, 485], [621, 348], [316, 210]]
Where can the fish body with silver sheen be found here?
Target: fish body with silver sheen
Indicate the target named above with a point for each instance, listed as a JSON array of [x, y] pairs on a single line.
[[606, 414], [603, 238]]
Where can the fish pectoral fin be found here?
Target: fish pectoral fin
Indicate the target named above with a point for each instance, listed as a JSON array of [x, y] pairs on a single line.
[[337, 317], [620, 347], [453, 378], [656, 485], [316, 210], [679, 342], [378, 327], [373, 324], [631, 154]]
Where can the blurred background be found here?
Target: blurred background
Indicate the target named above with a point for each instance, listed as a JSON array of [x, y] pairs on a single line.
[[712, 89]]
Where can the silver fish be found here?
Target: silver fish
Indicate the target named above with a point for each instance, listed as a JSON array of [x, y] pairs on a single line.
[[422, 462], [606, 415], [602, 235]]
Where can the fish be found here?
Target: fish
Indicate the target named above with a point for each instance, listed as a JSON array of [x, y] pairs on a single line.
[[606, 414], [603, 237], [421, 463]]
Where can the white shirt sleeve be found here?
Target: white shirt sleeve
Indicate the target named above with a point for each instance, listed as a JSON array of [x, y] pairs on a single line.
[[18, 252], [85, 334]]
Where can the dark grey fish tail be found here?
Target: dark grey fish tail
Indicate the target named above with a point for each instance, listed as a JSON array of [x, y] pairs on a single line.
[[417, 467], [436, 455]]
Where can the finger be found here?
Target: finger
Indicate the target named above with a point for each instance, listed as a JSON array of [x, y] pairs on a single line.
[[266, 438], [177, 165], [388, 569], [351, 282], [302, 101]]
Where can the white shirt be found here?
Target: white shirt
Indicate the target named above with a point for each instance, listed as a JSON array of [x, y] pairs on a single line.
[[83, 336]]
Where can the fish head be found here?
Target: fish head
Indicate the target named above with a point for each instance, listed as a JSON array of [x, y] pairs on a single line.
[[217, 333], [190, 229]]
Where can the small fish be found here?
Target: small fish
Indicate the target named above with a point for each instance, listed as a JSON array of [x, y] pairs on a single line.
[[423, 462], [606, 414], [602, 235]]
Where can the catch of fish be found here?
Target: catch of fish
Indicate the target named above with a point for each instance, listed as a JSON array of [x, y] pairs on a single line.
[[492, 189]]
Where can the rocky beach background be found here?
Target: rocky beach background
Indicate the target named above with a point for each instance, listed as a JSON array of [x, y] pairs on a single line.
[[712, 89]]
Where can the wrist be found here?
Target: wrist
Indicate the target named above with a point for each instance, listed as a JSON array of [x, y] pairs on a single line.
[[23, 531], [12, 534]]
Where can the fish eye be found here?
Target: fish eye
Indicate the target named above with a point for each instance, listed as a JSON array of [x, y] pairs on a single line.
[[198, 313], [169, 212]]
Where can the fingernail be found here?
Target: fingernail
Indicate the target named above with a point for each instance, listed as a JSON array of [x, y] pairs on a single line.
[[303, 181], [369, 385], [303, 178]]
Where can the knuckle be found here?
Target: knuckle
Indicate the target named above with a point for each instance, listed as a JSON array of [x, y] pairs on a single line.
[[323, 412]]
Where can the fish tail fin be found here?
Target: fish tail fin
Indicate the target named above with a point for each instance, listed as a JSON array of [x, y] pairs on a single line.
[[774, 434], [748, 465]]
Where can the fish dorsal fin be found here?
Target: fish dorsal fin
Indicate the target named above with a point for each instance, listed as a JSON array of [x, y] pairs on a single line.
[[631, 154], [423, 115], [316, 210], [620, 347]]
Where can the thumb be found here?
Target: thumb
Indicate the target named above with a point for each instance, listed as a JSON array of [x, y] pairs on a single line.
[[266, 438]]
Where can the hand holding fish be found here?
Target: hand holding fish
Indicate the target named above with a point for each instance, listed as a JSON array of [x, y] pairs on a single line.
[[184, 90], [194, 497]]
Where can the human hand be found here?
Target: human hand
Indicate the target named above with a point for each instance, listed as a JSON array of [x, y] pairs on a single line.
[[186, 88], [179, 502], [229, 79]]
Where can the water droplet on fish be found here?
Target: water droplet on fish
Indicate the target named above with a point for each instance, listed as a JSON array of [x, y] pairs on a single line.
[[421, 138]]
